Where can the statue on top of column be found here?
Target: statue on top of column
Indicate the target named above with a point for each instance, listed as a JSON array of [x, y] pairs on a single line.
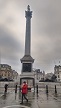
[[28, 7], [28, 13]]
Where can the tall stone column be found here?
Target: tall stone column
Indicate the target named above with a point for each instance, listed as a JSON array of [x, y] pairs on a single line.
[[28, 15], [27, 60]]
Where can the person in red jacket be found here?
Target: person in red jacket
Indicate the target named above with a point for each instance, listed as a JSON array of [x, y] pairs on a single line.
[[24, 89]]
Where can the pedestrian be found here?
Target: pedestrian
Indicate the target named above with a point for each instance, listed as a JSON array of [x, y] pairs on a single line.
[[24, 89], [6, 86]]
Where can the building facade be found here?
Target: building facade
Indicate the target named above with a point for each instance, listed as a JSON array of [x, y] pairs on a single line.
[[7, 72], [39, 75], [57, 72]]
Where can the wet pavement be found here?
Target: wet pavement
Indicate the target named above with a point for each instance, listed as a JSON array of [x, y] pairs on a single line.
[[40, 100]]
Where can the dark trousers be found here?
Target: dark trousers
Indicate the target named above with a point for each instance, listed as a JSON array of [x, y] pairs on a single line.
[[24, 95], [5, 90]]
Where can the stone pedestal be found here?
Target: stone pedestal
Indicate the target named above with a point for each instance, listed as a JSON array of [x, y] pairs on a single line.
[[29, 78]]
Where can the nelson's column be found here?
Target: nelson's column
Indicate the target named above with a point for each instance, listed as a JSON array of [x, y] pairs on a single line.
[[27, 60]]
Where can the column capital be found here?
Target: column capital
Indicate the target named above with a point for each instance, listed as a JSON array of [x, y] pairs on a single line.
[[28, 13]]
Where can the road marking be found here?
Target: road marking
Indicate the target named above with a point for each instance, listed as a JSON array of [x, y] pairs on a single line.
[[22, 106]]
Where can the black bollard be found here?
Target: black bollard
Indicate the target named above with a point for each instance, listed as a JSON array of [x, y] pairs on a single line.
[[15, 88], [55, 89], [37, 89], [46, 88], [6, 86]]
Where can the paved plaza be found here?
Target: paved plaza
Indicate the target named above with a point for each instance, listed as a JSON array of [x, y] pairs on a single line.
[[40, 100]]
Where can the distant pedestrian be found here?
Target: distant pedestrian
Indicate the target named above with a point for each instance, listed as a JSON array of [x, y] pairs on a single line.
[[16, 88], [6, 87], [24, 89]]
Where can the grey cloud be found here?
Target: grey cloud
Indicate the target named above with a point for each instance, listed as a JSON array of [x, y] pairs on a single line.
[[3, 3], [47, 18], [10, 20], [47, 25], [9, 46], [46, 32]]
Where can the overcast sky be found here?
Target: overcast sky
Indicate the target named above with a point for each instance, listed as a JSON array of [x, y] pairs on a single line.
[[45, 33]]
